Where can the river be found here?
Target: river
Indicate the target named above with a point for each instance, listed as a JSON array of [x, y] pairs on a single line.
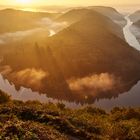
[[130, 98], [129, 36]]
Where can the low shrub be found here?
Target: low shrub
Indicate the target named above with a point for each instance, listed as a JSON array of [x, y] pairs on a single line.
[[4, 98]]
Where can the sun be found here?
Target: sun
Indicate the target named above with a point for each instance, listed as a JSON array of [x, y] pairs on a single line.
[[24, 1]]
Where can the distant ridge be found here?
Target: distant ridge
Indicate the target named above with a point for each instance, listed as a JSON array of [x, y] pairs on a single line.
[[21, 20]]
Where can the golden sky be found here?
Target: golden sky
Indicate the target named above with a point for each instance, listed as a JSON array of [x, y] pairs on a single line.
[[67, 2]]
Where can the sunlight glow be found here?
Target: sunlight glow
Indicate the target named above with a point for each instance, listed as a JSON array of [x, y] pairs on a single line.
[[36, 3], [24, 1]]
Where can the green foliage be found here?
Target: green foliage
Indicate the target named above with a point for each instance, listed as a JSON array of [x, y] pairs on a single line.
[[93, 111], [61, 106], [4, 98], [125, 114], [35, 121]]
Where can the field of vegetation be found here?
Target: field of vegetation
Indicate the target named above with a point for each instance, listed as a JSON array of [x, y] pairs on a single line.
[[36, 121]]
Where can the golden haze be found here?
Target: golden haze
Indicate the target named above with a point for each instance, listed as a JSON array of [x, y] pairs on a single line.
[[66, 2]]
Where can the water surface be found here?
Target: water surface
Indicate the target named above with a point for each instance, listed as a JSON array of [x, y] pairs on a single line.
[[129, 36]]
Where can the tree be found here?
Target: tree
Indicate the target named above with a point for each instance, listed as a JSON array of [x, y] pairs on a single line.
[[4, 98]]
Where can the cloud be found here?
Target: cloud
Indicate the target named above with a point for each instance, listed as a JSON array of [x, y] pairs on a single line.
[[53, 25], [30, 77], [15, 36], [4, 70], [102, 82]]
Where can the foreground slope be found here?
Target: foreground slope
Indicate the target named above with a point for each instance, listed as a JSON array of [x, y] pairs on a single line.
[[36, 121]]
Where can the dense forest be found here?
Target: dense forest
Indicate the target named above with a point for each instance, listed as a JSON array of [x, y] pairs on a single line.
[[62, 66], [35, 121]]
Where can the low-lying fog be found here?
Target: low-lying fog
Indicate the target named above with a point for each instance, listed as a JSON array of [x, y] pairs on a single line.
[[45, 26]]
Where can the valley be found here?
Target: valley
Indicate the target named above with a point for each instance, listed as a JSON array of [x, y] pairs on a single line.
[[69, 70], [72, 64]]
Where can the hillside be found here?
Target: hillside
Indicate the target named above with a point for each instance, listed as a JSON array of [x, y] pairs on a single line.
[[36, 121], [111, 13], [135, 16], [17, 20], [96, 37], [137, 23], [135, 29], [72, 16], [81, 63]]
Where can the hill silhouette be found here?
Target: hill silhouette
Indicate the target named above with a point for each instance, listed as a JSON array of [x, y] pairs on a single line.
[[110, 12], [75, 15], [83, 62], [135, 16]]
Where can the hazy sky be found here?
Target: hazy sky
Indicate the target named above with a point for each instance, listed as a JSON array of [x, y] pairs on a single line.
[[67, 2]]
